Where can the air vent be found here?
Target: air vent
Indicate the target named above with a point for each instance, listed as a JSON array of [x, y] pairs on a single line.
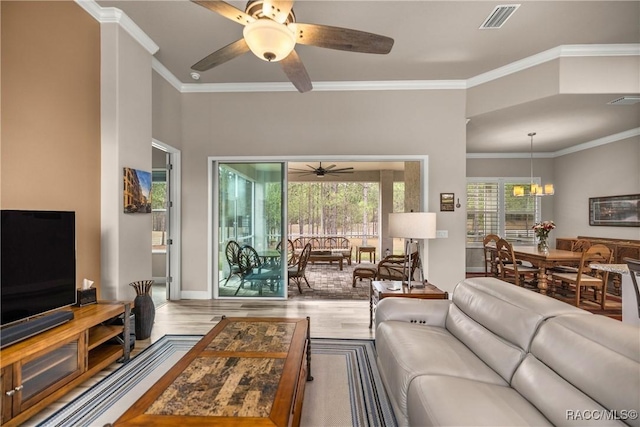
[[499, 16], [625, 100]]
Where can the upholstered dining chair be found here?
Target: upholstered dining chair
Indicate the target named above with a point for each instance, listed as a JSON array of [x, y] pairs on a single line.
[[232, 252], [490, 259], [582, 277], [296, 272], [511, 269], [634, 270]]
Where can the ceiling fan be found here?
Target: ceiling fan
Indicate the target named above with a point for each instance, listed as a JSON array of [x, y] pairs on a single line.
[[271, 33], [320, 171]]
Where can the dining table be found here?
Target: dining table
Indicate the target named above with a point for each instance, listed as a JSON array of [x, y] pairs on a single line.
[[545, 260]]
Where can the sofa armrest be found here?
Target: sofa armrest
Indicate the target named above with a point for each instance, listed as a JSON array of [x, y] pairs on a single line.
[[422, 311]]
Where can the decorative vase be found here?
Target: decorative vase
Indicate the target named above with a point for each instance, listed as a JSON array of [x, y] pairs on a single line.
[[543, 245], [144, 309]]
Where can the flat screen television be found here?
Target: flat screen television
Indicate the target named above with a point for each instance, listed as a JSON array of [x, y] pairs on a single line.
[[37, 263]]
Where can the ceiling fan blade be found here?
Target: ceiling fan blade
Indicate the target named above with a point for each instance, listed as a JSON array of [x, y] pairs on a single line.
[[295, 71], [342, 170], [221, 56], [226, 10], [278, 10], [328, 167], [342, 39]]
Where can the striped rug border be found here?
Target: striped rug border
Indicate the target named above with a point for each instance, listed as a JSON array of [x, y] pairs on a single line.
[[370, 405]]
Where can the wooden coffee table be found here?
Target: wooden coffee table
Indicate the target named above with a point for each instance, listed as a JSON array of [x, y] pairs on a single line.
[[388, 288], [247, 371]]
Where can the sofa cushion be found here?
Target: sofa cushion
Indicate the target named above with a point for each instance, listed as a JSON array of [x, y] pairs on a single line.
[[491, 301], [407, 350], [591, 359], [558, 400], [498, 320], [498, 353], [450, 401]]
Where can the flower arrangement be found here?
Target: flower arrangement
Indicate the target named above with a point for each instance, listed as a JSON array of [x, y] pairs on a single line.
[[542, 229]]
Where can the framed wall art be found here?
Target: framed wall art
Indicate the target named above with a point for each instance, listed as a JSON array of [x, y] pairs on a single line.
[[446, 202], [137, 191], [618, 211]]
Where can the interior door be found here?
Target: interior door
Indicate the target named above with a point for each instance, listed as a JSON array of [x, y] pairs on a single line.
[[249, 212]]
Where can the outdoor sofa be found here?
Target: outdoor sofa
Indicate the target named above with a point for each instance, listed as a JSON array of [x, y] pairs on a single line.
[[329, 244], [500, 355]]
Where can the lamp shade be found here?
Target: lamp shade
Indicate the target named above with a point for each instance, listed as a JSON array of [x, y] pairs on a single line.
[[269, 40], [413, 225]]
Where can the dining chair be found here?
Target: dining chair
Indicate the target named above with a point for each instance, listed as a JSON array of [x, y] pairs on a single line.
[[580, 245], [511, 269], [297, 271], [585, 278], [255, 271], [634, 270], [490, 259], [232, 252]]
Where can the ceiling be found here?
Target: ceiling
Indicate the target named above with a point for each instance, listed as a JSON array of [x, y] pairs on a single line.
[[434, 40]]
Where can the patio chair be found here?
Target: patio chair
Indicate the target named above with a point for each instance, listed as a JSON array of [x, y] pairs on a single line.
[[392, 267], [297, 271], [232, 252], [254, 271]]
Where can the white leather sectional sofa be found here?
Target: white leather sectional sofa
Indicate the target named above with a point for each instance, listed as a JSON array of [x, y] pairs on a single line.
[[500, 355]]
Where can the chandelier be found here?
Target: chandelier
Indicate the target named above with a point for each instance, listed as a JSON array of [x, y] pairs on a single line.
[[534, 189]]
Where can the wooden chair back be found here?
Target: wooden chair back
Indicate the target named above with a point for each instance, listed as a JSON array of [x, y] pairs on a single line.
[[489, 247]]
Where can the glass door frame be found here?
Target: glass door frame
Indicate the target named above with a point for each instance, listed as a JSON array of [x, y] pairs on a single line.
[[212, 235], [214, 219]]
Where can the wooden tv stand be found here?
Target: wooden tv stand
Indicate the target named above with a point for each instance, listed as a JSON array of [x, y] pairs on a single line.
[[41, 369]]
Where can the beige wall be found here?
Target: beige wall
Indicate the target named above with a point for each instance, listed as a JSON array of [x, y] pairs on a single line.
[[322, 123], [50, 140], [608, 170]]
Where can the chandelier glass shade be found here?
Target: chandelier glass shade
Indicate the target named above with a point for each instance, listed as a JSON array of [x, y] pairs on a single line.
[[269, 40], [533, 188]]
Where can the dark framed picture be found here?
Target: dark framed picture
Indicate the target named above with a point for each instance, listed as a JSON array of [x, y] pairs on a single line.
[[446, 202], [618, 211]]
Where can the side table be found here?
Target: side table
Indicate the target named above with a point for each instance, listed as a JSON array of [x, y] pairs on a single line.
[[371, 250], [388, 288]]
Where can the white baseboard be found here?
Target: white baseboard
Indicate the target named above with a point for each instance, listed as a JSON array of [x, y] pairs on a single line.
[[195, 295]]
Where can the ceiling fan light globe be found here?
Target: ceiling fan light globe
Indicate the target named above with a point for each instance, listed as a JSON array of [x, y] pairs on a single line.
[[269, 40]]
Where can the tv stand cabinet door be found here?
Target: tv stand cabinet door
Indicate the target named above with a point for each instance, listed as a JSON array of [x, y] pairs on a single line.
[[44, 373], [6, 387]]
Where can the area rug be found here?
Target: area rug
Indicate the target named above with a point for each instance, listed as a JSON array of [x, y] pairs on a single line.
[[346, 391]]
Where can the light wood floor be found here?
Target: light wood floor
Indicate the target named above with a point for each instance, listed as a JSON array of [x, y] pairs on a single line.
[[329, 318]]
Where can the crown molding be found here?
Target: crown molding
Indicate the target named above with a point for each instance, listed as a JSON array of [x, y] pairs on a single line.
[[159, 68], [600, 141], [321, 86], [547, 155], [563, 51], [112, 15]]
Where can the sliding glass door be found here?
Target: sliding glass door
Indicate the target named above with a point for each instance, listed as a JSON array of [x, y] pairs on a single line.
[[250, 255]]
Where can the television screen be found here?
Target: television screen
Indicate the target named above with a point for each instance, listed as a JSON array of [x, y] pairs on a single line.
[[37, 263]]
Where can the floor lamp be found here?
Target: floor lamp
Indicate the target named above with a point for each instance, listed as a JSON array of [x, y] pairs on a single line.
[[410, 226]]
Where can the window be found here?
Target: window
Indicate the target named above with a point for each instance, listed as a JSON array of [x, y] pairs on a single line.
[[493, 209]]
